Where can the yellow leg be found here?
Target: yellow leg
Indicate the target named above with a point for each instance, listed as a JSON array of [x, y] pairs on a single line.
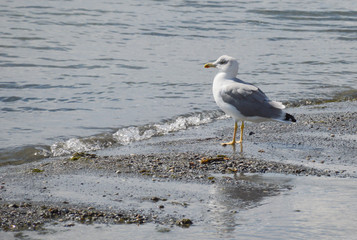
[[241, 133], [234, 136], [233, 142]]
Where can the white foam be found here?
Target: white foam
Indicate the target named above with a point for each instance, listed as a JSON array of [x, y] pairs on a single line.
[[125, 136], [74, 145]]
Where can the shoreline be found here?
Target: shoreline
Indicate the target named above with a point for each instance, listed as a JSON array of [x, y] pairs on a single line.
[[133, 183]]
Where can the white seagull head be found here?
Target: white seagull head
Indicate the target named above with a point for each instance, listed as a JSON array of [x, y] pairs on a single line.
[[226, 64]]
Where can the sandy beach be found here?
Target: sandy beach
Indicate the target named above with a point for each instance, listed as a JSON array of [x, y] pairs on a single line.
[[166, 182]]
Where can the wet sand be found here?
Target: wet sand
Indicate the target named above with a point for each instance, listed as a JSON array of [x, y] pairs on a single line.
[[172, 180]]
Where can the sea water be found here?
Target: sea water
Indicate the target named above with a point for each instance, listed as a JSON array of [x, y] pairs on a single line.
[[79, 76]]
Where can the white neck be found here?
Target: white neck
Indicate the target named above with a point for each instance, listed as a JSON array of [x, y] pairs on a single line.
[[225, 75]]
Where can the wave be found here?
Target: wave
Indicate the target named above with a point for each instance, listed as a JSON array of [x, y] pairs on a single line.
[[127, 135]]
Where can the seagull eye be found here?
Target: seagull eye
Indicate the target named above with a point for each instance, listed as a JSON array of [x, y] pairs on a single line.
[[223, 61]]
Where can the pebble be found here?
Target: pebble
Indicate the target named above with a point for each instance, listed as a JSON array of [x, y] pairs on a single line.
[[185, 222], [69, 225], [13, 205]]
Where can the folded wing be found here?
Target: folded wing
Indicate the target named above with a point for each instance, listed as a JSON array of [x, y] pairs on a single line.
[[251, 101]]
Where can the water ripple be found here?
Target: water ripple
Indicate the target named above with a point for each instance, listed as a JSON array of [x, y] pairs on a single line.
[[308, 15], [74, 66], [14, 85], [10, 99]]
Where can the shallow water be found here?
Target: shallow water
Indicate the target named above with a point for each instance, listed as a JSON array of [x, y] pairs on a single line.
[[293, 208], [72, 71]]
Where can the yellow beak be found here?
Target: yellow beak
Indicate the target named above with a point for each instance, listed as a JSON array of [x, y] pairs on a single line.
[[209, 65]]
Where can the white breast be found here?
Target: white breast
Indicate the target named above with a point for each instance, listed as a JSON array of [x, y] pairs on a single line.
[[219, 84]]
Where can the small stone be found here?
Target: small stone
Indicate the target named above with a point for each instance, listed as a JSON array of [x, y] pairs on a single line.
[[13, 205], [24, 204], [155, 199], [64, 210], [69, 225], [185, 222]]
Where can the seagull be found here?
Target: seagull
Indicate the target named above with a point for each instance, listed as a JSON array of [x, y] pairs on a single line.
[[242, 100]]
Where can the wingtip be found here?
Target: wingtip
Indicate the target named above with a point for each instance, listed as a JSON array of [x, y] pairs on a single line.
[[289, 117]]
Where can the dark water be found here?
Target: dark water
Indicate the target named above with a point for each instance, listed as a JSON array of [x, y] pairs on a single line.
[[80, 75]]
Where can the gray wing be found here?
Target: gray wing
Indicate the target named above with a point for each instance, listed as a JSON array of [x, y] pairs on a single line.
[[250, 101]]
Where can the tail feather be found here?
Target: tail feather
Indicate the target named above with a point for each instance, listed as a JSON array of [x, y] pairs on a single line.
[[275, 104], [289, 118]]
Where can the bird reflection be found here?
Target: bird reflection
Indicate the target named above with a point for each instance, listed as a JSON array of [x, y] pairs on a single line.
[[247, 192], [234, 149]]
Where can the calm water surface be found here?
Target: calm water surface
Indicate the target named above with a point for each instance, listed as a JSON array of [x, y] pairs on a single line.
[[83, 76]]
